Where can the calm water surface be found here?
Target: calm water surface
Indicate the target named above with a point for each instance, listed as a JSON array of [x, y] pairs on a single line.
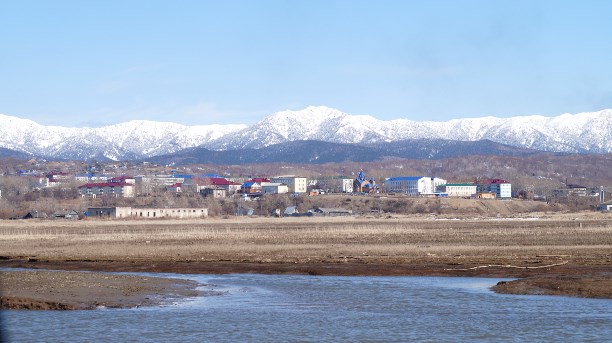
[[288, 308]]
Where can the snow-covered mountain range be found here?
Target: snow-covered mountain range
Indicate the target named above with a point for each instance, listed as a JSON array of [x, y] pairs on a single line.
[[589, 132], [129, 140]]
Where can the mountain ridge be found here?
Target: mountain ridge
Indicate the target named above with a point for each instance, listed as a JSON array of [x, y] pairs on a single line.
[[319, 152], [587, 132]]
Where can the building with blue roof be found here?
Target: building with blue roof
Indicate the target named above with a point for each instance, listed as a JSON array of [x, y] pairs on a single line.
[[413, 185], [362, 185], [251, 187]]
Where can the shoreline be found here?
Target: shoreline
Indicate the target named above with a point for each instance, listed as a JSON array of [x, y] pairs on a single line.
[[562, 254], [94, 288], [38, 289]]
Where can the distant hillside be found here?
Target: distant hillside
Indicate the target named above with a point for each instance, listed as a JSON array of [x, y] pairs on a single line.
[[317, 152], [13, 154], [292, 152], [442, 148]]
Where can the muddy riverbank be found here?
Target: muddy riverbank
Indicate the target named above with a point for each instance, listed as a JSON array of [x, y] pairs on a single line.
[[41, 289], [62, 290]]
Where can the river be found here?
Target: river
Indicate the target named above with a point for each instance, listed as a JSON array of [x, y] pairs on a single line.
[[298, 308]]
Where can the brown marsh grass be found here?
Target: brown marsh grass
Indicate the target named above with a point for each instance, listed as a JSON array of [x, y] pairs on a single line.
[[584, 240]]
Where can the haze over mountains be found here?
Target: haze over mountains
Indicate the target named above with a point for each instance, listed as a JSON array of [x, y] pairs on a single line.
[[569, 133]]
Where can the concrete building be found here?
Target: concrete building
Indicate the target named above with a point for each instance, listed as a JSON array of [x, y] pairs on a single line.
[[147, 184], [196, 185], [296, 184], [274, 188], [413, 185], [107, 189], [123, 178], [213, 191], [145, 213], [230, 186], [347, 185], [571, 191], [175, 188], [91, 178], [57, 179], [148, 213], [501, 188], [109, 212], [459, 190]]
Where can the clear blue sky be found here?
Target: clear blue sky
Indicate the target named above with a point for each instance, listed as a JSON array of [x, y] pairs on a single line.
[[75, 63]]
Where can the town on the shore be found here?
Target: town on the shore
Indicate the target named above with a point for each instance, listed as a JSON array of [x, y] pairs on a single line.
[[115, 194]]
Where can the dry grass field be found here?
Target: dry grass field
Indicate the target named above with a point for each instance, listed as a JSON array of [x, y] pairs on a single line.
[[530, 241]]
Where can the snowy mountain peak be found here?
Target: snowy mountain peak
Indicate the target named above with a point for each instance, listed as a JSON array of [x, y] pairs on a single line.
[[133, 139], [583, 132], [588, 132], [293, 124]]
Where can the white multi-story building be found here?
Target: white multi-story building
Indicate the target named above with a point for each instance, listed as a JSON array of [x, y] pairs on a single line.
[[413, 185], [107, 189], [458, 189], [296, 184], [347, 185]]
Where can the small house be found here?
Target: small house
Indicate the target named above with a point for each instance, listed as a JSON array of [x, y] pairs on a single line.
[[33, 215], [605, 207], [251, 187], [485, 195], [65, 214], [290, 211]]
